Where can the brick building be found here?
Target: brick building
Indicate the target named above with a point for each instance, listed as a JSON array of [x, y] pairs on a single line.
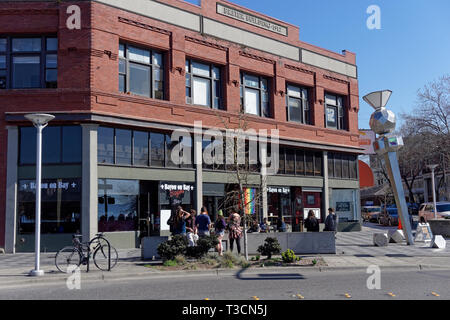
[[120, 76]]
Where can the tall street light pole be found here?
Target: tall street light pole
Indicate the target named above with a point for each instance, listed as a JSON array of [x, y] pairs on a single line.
[[40, 121], [432, 167]]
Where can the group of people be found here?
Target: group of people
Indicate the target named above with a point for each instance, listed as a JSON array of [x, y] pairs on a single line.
[[195, 226]]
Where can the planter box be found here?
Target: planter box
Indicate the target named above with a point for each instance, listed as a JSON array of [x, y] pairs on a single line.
[[440, 227], [349, 226], [299, 242], [149, 246]]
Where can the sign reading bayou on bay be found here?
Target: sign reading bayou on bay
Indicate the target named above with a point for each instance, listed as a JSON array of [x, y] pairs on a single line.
[[251, 19]]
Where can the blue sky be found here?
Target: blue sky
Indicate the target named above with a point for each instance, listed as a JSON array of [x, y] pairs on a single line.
[[411, 49]]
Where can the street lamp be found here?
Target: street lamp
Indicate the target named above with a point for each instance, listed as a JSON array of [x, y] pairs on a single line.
[[40, 121], [432, 167]]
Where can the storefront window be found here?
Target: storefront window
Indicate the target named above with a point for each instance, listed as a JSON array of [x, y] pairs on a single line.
[[105, 145], [300, 163], [123, 146], [117, 205], [279, 206], [157, 149], [60, 207], [309, 164], [140, 148]]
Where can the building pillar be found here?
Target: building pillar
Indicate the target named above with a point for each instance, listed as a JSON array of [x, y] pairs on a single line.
[[326, 190], [89, 184], [11, 189], [198, 161], [264, 199]]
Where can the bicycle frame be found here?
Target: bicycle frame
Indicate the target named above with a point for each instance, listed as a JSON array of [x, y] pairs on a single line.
[[96, 240]]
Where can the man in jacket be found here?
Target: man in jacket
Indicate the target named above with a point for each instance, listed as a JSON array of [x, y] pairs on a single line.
[[331, 221]]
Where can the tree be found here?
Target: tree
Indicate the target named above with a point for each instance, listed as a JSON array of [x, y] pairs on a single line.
[[428, 126]]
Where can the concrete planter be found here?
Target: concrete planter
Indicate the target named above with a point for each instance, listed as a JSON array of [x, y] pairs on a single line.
[[149, 246], [440, 227], [349, 226], [299, 242]]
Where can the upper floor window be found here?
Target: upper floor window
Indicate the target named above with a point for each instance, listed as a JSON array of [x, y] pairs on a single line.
[[30, 62], [255, 95], [297, 104], [203, 84], [334, 112], [141, 71], [342, 166]]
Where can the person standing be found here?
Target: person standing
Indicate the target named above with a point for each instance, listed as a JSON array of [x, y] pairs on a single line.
[[311, 222], [203, 223], [191, 229], [331, 221], [219, 229], [264, 226], [281, 225], [180, 221], [235, 231]]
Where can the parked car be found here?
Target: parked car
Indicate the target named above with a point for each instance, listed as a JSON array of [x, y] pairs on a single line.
[[442, 210], [370, 213], [413, 208], [388, 217]]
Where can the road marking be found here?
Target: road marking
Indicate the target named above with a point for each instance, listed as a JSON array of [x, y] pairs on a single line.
[[255, 298], [347, 295], [300, 296], [435, 294], [391, 294]]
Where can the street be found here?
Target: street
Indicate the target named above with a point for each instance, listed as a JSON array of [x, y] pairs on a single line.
[[265, 285]]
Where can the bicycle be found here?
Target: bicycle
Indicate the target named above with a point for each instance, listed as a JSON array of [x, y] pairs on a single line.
[[104, 255]]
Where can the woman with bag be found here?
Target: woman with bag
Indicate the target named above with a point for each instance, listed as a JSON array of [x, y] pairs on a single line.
[[235, 231]]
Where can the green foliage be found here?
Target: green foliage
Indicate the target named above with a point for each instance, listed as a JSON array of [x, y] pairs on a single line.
[[170, 263], [256, 258], [314, 262], [271, 246], [229, 260], [289, 256], [170, 249], [180, 259], [204, 244]]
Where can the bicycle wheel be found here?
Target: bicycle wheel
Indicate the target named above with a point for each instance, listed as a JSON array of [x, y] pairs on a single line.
[[67, 256], [101, 257]]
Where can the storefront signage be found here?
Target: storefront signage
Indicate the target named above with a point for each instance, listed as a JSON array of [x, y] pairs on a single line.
[[176, 187], [366, 140], [343, 206], [251, 19], [27, 185], [278, 190]]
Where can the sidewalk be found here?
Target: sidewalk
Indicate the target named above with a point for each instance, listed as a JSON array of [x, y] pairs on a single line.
[[354, 251]]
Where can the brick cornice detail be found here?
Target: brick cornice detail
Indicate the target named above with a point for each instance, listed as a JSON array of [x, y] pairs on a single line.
[[291, 67], [206, 43], [335, 79], [144, 26], [255, 57]]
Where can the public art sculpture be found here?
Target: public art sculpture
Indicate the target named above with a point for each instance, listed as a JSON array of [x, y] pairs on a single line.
[[382, 122]]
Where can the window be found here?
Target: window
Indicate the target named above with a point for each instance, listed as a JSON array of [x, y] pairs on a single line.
[[28, 62], [297, 104], [141, 71], [255, 95], [334, 112], [140, 148], [123, 146], [300, 162], [343, 166], [203, 85], [157, 149], [60, 144]]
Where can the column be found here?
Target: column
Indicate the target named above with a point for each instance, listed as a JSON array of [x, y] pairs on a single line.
[[11, 189], [198, 161], [89, 187], [326, 190], [264, 198]]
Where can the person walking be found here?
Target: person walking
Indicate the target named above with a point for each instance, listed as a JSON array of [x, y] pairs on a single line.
[[235, 231], [219, 229], [191, 230], [203, 223], [331, 221], [180, 221], [311, 222]]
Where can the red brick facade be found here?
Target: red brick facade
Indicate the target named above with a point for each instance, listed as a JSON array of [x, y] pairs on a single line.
[[88, 72]]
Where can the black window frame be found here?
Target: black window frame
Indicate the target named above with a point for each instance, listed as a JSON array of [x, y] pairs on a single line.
[[303, 154], [42, 54], [339, 109], [151, 65], [213, 81], [262, 92], [305, 111], [345, 159]]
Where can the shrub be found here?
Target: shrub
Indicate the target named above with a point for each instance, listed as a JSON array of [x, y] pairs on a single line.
[[168, 250], [314, 262], [204, 244], [170, 263], [289, 256], [180, 260], [228, 260], [271, 246]]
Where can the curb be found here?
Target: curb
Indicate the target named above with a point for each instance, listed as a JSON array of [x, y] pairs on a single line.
[[105, 276]]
